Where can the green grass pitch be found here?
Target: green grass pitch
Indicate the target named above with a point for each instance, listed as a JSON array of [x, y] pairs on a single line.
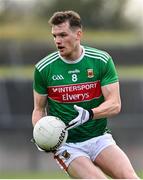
[[34, 175], [40, 175]]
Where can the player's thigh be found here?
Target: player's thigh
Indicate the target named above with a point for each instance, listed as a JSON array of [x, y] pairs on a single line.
[[114, 162], [83, 168]]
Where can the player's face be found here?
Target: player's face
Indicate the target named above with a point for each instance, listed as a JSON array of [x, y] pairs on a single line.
[[67, 40]]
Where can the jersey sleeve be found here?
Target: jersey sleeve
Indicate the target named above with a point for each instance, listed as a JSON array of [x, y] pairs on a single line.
[[38, 84], [108, 73]]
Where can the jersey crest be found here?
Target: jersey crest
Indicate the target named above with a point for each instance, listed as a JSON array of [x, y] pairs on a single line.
[[90, 73]]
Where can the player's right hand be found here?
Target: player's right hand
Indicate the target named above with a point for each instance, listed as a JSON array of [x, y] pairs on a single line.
[[83, 116]]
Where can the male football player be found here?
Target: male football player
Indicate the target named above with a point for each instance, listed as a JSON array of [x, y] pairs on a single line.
[[80, 85]]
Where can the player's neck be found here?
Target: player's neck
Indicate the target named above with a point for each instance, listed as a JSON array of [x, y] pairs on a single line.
[[75, 54]]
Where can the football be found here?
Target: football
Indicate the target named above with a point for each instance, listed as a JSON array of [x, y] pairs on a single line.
[[49, 133]]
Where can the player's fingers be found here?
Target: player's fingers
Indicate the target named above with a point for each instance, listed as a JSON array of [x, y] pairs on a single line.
[[77, 108]]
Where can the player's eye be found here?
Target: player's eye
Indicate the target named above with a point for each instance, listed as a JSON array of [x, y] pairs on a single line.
[[63, 35]]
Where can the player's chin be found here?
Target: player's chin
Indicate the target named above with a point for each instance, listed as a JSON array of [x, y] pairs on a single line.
[[62, 53]]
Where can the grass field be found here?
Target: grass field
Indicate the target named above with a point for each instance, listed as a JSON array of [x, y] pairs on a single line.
[[39, 175], [34, 175]]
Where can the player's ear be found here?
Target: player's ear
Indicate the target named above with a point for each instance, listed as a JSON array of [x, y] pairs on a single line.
[[79, 34]]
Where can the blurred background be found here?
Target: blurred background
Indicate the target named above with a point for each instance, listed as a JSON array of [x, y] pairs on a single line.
[[115, 26]]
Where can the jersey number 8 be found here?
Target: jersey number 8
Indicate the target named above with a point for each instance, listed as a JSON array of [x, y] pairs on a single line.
[[74, 77]]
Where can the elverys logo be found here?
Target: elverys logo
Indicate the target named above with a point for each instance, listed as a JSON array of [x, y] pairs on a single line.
[[75, 92]]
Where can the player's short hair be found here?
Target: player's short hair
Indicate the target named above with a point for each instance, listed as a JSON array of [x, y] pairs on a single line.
[[63, 16]]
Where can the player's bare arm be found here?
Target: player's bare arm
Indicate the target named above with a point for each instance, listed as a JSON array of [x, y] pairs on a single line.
[[112, 104], [110, 107], [39, 111]]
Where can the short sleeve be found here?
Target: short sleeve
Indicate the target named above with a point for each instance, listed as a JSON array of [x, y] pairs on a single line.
[[38, 83], [108, 73]]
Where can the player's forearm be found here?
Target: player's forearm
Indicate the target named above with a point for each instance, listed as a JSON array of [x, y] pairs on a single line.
[[38, 114], [107, 109]]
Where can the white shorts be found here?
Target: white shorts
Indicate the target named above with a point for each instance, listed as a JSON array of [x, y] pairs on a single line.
[[90, 149]]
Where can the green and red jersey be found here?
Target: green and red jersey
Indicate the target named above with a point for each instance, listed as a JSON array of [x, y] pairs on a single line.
[[75, 82]]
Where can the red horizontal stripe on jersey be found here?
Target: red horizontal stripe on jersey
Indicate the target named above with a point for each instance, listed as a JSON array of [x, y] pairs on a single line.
[[75, 92]]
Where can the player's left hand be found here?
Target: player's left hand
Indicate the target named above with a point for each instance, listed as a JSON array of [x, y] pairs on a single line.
[[33, 141], [39, 148], [83, 116]]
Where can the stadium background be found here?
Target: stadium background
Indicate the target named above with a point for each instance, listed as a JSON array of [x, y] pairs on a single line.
[[25, 39]]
